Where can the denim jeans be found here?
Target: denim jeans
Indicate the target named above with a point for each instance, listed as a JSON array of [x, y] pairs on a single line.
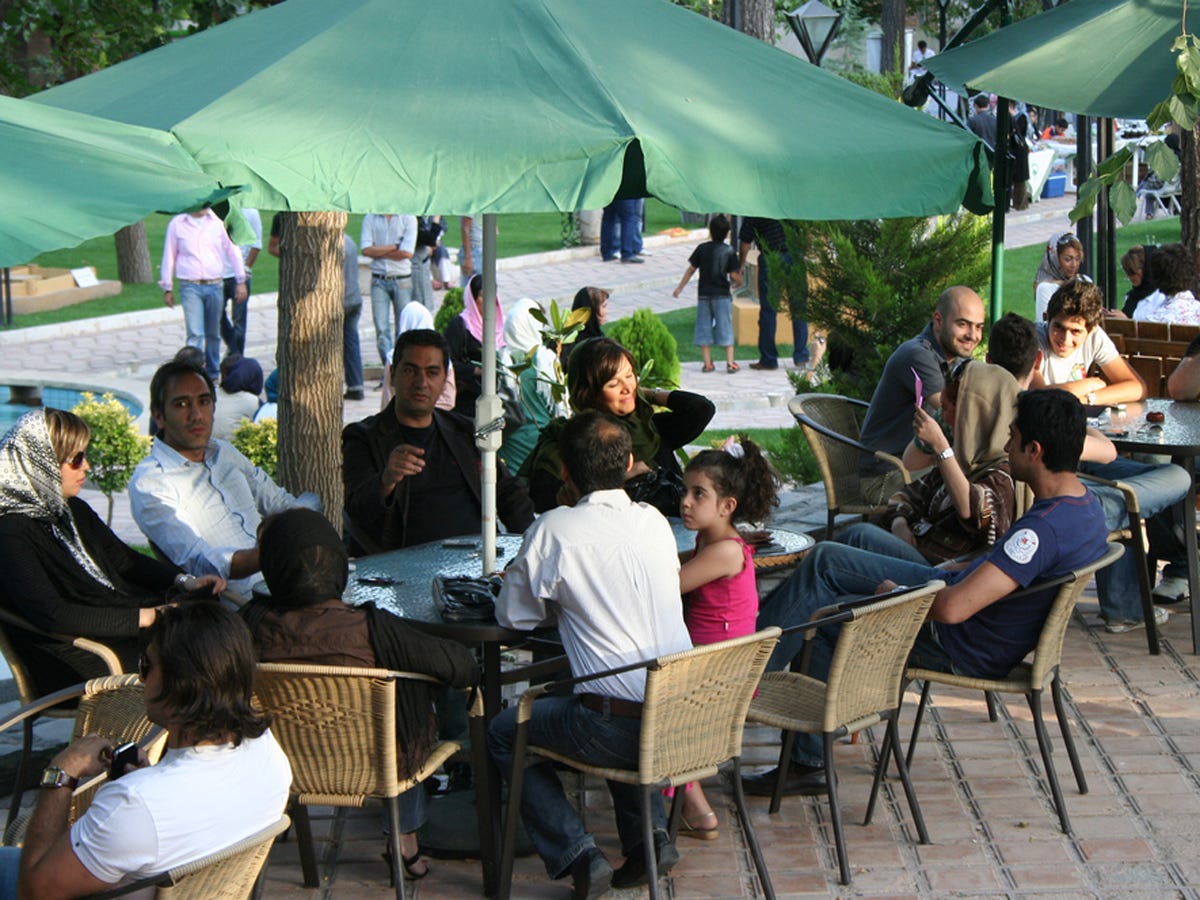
[[202, 304], [10, 864], [1159, 491], [564, 724], [832, 572], [768, 353], [234, 332], [388, 297], [622, 215], [352, 364], [422, 279]]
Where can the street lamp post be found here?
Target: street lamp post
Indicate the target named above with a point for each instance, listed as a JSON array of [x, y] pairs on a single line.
[[815, 25]]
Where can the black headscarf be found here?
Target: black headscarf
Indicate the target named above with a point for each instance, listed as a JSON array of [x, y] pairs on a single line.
[[303, 559]]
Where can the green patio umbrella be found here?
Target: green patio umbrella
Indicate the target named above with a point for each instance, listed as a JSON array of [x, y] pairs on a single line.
[[477, 106], [1109, 58], [67, 177]]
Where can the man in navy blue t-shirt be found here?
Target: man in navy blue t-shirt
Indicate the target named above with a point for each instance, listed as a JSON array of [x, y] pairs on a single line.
[[972, 628]]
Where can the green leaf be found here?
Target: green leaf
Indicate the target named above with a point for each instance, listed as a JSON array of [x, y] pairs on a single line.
[[1189, 66], [578, 318], [1184, 113], [1115, 164], [1123, 201], [1091, 189], [539, 315], [1162, 160], [1180, 43], [1159, 116]]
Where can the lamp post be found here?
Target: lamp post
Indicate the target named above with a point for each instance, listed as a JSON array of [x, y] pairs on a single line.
[[815, 25]]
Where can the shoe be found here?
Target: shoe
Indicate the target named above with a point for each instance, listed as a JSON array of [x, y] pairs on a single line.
[[633, 260], [609, 258], [805, 780], [633, 871], [1121, 626], [1171, 590], [708, 368], [763, 367], [411, 873], [591, 875], [354, 394], [733, 367], [687, 829]]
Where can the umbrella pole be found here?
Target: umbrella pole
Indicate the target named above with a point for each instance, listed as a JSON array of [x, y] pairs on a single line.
[[1001, 190], [489, 413]]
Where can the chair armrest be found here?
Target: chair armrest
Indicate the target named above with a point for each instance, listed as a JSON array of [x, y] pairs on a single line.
[[896, 462], [106, 654], [110, 659], [832, 435], [1132, 507], [37, 707]]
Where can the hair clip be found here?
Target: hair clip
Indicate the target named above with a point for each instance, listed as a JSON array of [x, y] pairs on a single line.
[[733, 447]]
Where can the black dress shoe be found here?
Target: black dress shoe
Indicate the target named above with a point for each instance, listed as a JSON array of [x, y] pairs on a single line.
[[633, 872], [763, 367], [354, 394], [591, 875], [806, 780]]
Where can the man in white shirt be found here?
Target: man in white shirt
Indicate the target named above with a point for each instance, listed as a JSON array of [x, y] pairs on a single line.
[[199, 500], [223, 776], [607, 570], [389, 241]]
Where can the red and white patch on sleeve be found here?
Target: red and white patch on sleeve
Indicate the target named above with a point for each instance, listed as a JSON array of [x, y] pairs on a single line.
[[1021, 546]]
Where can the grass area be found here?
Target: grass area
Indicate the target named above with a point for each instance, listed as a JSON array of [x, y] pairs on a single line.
[[786, 447], [518, 235]]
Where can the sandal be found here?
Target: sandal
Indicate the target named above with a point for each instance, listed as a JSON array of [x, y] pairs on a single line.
[[688, 829], [733, 367], [411, 873], [709, 368]]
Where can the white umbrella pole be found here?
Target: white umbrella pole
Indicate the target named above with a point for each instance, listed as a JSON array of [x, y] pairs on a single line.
[[489, 412]]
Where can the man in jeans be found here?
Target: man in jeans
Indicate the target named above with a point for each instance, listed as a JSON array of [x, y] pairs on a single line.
[[389, 241], [608, 571]]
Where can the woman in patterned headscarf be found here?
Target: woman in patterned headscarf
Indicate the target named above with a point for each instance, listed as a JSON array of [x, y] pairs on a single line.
[[65, 571]]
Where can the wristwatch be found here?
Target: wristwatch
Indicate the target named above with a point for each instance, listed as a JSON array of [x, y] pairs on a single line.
[[946, 454], [54, 777]]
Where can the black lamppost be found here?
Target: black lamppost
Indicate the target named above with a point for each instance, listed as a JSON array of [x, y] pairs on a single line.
[[815, 25]]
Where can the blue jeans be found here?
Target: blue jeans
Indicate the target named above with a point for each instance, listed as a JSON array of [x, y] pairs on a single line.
[[1159, 491], [352, 364], [422, 279], [622, 215], [565, 725], [10, 864], [202, 305], [768, 353], [388, 297], [234, 332], [830, 573]]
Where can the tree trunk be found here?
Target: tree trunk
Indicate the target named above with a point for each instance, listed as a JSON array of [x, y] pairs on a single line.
[[754, 17], [311, 254], [133, 255], [892, 43], [1189, 199]]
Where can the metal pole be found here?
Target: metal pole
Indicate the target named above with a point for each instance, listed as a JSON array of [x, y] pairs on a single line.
[[8, 305], [488, 409], [1002, 191], [1083, 169], [1107, 278]]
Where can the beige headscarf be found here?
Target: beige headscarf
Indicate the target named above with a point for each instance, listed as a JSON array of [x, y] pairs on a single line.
[[987, 402]]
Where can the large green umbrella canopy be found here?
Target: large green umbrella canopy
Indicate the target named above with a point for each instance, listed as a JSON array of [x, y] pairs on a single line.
[[470, 106], [1109, 58], [67, 177]]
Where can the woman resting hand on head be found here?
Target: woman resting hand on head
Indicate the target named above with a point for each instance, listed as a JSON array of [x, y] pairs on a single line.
[[65, 570]]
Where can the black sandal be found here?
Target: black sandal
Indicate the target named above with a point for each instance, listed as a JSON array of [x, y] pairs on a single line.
[[410, 873]]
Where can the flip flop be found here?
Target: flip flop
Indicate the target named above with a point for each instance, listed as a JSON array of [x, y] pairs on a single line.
[[733, 367]]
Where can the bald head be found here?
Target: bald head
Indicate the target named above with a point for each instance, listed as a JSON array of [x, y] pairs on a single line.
[[958, 321]]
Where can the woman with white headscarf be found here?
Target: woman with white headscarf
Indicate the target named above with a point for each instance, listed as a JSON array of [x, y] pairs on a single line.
[[65, 571], [523, 346]]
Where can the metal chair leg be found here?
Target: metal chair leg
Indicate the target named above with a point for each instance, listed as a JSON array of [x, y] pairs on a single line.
[[739, 800], [397, 858], [893, 740], [1136, 545], [304, 843], [916, 729], [990, 699], [785, 761], [512, 815], [1060, 710], [835, 812], [648, 849], [1043, 739], [880, 768]]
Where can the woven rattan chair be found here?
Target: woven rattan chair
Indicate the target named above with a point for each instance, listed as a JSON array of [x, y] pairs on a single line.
[[831, 426], [337, 726], [1031, 678], [862, 689], [228, 874], [692, 721]]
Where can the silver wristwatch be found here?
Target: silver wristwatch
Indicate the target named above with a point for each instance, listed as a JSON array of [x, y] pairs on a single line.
[[946, 454], [54, 777]]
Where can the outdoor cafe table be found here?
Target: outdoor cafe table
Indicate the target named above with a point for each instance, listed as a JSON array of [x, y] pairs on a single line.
[[1178, 436], [400, 581]]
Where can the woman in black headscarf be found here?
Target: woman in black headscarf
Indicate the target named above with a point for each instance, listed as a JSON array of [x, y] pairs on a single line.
[[305, 565]]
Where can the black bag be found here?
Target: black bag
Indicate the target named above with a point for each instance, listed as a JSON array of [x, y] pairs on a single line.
[[662, 489], [462, 599]]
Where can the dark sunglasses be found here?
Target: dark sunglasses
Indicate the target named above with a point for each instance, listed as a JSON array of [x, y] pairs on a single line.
[[1066, 238], [77, 461]]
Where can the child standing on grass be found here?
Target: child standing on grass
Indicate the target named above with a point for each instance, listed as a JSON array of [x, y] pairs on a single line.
[[717, 263], [720, 595]]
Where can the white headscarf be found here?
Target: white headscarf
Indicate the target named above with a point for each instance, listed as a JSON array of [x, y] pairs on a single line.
[[522, 333]]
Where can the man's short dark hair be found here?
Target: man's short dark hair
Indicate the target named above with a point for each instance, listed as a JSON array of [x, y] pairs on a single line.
[[420, 337], [206, 657], [1056, 420], [981, 101], [1013, 345], [167, 373], [1077, 298], [595, 448]]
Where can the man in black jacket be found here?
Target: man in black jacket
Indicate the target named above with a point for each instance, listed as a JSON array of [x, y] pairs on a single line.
[[412, 472]]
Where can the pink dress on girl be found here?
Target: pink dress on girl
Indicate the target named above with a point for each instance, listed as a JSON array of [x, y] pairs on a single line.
[[725, 608]]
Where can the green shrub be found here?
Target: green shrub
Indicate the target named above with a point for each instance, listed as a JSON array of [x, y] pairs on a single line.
[[258, 442], [452, 305], [116, 446], [648, 339], [889, 85]]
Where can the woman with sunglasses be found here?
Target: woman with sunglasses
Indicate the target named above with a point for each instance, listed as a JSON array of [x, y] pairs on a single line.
[[1060, 263], [65, 570]]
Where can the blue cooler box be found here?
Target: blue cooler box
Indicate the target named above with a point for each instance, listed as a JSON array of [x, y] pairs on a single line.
[[1056, 186]]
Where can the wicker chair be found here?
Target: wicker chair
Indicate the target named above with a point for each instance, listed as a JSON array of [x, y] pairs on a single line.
[[692, 721], [229, 874], [831, 425], [337, 726], [863, 688], [1031, 678]]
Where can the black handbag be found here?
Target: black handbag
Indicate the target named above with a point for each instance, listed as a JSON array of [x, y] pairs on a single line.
[[462, 599]]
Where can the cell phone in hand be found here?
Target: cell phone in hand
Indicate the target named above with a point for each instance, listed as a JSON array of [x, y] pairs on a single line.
[[122, 758]]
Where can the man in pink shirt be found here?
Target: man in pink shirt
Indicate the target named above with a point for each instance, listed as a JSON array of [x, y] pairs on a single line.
[[196, 251]]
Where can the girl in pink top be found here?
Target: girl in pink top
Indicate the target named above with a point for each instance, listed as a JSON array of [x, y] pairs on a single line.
[[720, 596]]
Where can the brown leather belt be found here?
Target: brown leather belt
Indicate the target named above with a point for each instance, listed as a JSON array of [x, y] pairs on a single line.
[[614, 706]]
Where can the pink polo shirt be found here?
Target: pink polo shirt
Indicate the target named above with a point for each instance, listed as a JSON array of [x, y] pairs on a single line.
[[197, 249]]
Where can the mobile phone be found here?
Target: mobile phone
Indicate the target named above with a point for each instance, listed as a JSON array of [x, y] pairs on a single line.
[[461, 544], [122, 757], [377, 580], [918, 387]]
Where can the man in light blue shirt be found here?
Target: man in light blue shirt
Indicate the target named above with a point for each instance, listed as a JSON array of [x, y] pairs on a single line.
[[389, 241], [199, 500]]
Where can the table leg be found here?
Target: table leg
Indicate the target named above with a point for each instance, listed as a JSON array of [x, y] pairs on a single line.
[[1189, 545], [487, 778]]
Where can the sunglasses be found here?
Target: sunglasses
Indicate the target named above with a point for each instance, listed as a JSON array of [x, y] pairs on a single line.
[[1066, 238], [77, 461]]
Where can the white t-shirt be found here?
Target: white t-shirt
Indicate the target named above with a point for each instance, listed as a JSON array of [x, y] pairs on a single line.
[[1041, 299], [196, 801], [1096, 349]]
